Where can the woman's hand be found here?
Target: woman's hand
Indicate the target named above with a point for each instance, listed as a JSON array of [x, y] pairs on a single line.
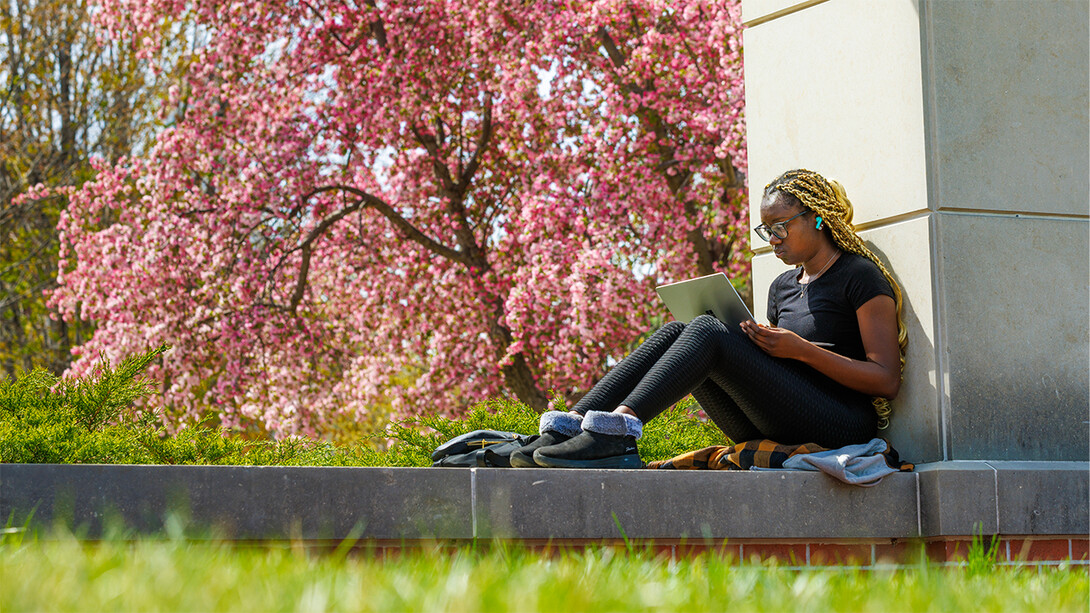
[[776, 342], [877, 375]]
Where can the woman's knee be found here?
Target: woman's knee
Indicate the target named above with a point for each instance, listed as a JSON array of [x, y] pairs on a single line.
[[707, 327], [707, 322], [673, 327], [735, 354], [701, 340]]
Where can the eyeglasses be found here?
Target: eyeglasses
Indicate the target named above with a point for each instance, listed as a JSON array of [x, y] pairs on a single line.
[[778, 229]]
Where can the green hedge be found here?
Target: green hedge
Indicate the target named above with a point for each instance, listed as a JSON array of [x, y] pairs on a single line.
[[90, 420]]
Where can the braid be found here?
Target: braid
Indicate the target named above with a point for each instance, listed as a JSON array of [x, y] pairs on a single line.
[[827, 198]]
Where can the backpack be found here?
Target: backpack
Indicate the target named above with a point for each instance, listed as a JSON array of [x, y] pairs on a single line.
[[480, 448]]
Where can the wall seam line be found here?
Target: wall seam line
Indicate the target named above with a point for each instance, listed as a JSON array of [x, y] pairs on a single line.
[[965, 212], [995, 477], [473, 499], [781, 13], [919, 518], [942, 365], [931, 161]]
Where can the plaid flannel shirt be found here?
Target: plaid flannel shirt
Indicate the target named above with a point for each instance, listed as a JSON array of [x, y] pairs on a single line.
[[762, 453]]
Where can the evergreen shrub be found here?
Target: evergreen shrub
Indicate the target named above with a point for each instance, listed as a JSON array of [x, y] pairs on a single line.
[[91, 420]]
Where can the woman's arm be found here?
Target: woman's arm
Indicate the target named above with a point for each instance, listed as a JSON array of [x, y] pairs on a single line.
[[878, 375]]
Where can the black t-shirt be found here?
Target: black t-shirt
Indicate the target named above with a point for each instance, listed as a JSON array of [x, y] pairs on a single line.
[[826, 313]]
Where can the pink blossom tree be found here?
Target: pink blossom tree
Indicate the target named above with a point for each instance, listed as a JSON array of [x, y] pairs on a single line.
[[421, 203]]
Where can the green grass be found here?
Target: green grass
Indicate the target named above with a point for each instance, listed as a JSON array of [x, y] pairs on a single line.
[[173, 574], [47, 420]]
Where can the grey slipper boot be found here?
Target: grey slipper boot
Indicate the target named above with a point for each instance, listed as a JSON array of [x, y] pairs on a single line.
[[608, 440], [555, 427]]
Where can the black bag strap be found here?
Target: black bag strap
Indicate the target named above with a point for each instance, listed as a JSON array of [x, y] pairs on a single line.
[[471, 441], [493, 452]]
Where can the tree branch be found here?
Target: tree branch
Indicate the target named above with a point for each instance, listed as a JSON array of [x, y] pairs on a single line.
[[678, 182], [378, 28], [431, 145], [365, 200], [649, 118], [335, 36], [482, 144]]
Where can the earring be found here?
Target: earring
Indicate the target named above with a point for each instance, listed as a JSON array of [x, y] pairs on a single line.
[[819, 221]]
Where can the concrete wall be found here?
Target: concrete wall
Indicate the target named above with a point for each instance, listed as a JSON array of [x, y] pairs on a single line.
[[960, 130], [1027, 499]]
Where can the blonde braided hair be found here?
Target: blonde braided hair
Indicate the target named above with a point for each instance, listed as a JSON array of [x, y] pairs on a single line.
[[827, 198]]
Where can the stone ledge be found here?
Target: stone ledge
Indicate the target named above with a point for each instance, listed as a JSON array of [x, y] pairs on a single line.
[[1004, 497], [546, 503], [946, 499]]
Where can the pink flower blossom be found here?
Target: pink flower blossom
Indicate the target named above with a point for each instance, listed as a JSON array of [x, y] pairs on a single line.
[[409, 203]]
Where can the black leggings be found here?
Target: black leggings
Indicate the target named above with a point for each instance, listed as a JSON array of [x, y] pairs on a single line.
[[747, 393]]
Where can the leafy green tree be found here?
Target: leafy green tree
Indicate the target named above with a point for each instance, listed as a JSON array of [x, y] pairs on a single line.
[[67, 94]]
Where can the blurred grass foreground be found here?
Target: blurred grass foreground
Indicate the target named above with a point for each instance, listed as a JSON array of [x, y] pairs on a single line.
[[62, 573]]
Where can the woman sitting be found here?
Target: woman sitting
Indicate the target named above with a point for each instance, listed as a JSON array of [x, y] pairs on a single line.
[[823, 372]]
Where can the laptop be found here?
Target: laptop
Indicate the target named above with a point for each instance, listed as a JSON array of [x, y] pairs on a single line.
[[713, 295]]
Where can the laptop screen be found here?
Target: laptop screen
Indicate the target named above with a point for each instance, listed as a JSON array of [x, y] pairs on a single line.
[[712, 294]]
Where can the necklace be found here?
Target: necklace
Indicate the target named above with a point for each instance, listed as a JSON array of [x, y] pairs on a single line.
[[828, 263]]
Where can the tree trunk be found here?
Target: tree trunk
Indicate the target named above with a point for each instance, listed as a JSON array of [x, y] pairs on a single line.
[[520, 380], [517, 375]]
